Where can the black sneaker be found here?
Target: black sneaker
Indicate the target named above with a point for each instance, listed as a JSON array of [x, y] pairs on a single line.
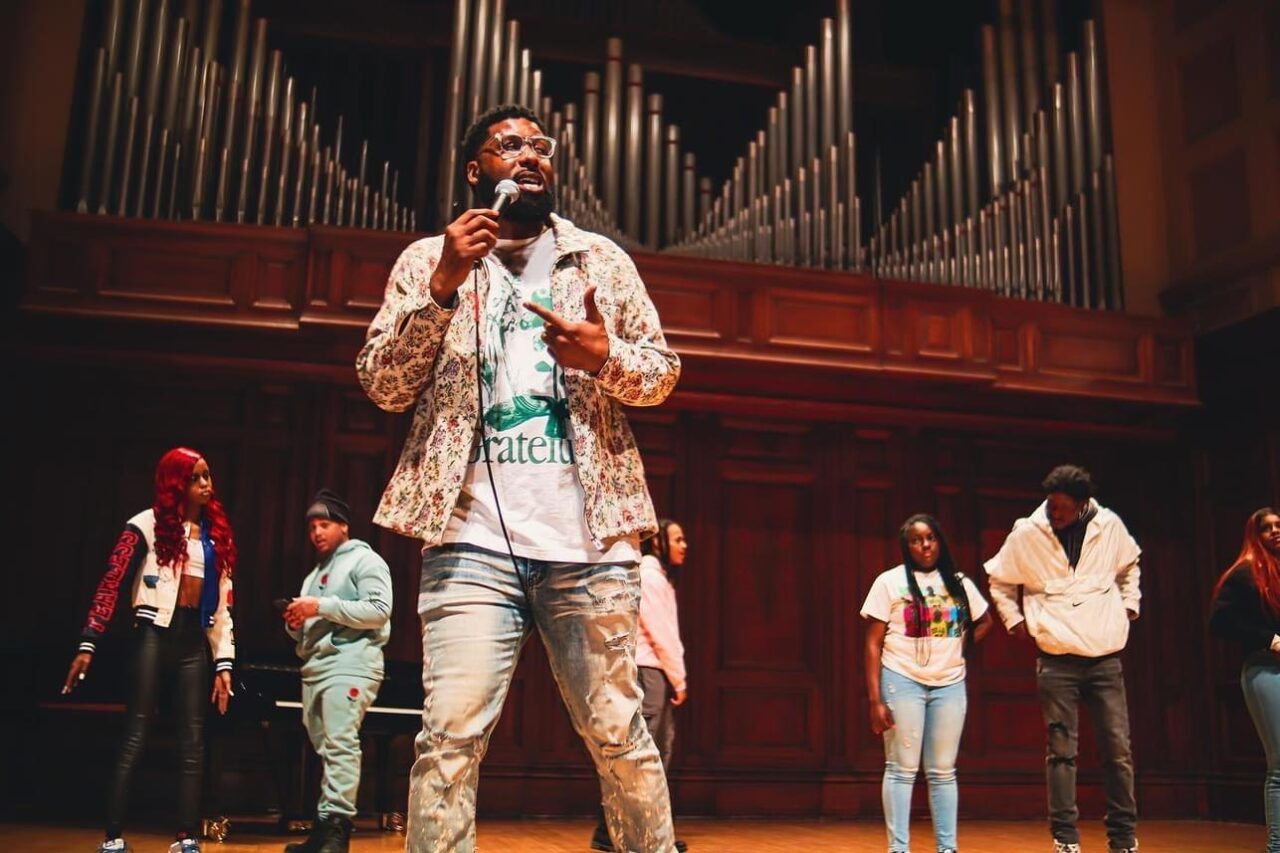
[[335, 834]]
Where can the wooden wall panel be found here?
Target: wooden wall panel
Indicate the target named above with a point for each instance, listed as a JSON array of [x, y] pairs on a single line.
[[323, 278], [765, 677], [791, 500], [1219, 196], [789, 523], [228, 274], [1209, 114], [347, 277], [1210, 89], [823, 321]]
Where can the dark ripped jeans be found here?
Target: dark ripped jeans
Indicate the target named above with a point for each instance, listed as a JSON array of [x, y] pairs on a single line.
[[1067, 681], [175, 658]]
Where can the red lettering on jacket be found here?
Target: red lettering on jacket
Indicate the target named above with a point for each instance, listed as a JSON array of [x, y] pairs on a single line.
[[104, 600]]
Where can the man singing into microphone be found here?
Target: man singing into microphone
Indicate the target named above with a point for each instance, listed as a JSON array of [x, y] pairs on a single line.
[[518, 337]]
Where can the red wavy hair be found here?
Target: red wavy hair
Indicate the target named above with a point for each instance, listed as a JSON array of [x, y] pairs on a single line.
[[173, 479], [1263, 565]]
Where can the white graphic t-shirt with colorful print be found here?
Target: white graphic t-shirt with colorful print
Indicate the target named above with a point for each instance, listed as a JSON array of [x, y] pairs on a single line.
[[924, 644], [527, 434]]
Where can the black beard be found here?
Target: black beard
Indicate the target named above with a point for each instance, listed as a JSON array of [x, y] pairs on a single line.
[[527, 208]]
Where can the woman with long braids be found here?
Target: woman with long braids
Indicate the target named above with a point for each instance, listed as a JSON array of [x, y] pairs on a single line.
[[175, 561], [1246, 610], [921, 618]]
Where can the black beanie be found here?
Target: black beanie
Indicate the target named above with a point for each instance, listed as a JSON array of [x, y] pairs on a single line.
[[327, 504]]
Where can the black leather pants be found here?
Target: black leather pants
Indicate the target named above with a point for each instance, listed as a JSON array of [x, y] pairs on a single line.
[[175, 658]]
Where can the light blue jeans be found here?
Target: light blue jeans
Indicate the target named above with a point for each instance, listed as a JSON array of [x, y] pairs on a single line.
[[928, 722], [1260, 680], [476, 610]]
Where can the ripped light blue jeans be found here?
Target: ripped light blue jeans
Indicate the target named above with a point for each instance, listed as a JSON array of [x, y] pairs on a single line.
[[928, 722], [477, 609]]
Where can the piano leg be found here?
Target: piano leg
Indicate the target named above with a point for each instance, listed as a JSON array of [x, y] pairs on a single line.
[[279, 772], [304, 776], [388, 819]]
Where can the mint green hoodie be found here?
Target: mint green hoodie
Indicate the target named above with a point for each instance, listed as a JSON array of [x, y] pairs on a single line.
[[354, 589]]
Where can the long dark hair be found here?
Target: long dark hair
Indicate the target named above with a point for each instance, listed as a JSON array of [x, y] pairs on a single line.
[[659, 545], [946, 567]]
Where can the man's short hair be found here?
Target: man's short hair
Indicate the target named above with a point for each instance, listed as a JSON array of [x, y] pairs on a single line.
[[1071, 480], [479, 130]]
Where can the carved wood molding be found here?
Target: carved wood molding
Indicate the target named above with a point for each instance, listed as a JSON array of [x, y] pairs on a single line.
[[723, 314]]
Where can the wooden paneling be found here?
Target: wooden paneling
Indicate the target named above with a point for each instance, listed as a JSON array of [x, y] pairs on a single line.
[[347, 277], [789, 522], [1219, 192], [1210, 89], [727, 312], [1212, 101], [790, 482], [190, 272]]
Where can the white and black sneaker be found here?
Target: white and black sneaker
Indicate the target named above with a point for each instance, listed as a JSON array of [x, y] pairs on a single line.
[[114, 845], [185, 845], [1065, 847]]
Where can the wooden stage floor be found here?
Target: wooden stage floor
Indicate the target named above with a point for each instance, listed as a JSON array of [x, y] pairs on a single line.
[[730, 836]]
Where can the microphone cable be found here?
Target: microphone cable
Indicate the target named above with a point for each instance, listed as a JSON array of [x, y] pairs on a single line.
[[484, 445]]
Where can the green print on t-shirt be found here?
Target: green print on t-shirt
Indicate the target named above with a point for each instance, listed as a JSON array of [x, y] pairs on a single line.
[[512, 327]]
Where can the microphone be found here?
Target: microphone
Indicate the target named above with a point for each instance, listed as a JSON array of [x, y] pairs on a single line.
[[505, 193]]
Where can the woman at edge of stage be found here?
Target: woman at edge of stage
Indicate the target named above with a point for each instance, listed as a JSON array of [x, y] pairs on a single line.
[[175, 561], [1246, 610]]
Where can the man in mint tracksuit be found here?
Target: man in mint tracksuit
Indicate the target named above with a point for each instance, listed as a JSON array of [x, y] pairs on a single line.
[[341, 621]]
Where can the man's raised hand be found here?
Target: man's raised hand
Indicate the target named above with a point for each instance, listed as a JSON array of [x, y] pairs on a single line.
[[581, 344], [467, 239]]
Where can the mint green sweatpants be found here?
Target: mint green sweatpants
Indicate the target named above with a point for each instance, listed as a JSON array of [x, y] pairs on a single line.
[[332, 711]]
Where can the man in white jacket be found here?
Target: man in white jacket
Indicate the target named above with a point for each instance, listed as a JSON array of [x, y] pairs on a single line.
[[1078, 569]]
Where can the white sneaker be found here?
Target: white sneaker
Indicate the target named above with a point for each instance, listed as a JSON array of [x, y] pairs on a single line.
[[1064, 847], [115, 845], [186, 845]]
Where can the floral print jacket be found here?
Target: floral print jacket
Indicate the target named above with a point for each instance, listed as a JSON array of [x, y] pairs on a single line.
[[419, 354]]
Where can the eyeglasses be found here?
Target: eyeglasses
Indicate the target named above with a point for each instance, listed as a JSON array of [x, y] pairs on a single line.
[[511, 144]]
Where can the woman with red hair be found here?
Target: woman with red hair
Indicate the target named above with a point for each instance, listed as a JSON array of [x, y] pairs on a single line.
[[1246, 609], [175, 560]]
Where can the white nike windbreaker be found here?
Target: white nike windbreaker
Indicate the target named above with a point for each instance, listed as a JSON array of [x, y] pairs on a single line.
[[1082, 612]]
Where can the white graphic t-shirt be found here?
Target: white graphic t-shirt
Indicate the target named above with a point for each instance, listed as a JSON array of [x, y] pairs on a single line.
[[525, 419], [925, 643]]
